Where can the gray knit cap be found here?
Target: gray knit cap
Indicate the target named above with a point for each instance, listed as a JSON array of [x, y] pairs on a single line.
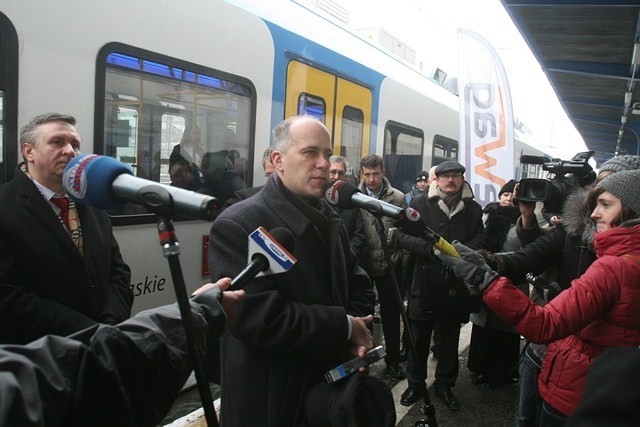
[[624, 185], [621, 163]]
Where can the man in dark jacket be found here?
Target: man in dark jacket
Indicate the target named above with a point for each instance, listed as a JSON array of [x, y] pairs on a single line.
[[352, 217], [293, 326], [102, 375], [449, 210], [375, 184], [60, 266]]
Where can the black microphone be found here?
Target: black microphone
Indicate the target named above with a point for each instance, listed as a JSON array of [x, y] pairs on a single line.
[[347, 196], [104, 182], [269, 253]]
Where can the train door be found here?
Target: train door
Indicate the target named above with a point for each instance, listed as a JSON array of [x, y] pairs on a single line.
[[8, 99], [343, 106]]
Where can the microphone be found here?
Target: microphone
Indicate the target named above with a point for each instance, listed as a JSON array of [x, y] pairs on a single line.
[[269, 253], [104, 182], [347, 196]]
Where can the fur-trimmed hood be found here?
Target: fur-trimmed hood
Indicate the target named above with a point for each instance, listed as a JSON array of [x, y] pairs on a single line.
[[577, 217]]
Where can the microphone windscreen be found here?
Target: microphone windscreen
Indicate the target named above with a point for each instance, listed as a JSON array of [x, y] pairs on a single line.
[[339, 194], [284, 236], [88, 179]]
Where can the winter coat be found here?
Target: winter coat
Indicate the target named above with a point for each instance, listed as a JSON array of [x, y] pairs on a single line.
[[598, 311], [372, 256], [568, 246], [292, 327], [104, 375], [500, 227], [415, 192], [464, 225], [46, 285]]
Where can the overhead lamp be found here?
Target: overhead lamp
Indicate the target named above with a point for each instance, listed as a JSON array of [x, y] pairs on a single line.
[[620, 133], [627, 98], [635, 58], [635, 108], [623, 120]]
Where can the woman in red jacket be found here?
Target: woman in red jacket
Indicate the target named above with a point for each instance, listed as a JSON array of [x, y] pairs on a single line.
[[599, 310]]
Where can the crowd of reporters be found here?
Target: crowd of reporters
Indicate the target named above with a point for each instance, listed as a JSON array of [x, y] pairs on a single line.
[[292, 327]]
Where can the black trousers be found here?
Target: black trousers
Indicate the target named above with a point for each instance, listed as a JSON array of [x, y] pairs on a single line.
[[448, 366], [390, 314]]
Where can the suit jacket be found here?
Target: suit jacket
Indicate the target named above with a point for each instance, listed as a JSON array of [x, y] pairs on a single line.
[[293, 326], [46, 285]]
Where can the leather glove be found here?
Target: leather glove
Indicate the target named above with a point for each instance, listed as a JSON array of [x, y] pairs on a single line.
[[469, 267]]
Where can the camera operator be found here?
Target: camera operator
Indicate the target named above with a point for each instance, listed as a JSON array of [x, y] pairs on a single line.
[[567, 250]]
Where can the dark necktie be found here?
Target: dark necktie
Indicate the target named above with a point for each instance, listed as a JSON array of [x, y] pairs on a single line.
[[63, 204]]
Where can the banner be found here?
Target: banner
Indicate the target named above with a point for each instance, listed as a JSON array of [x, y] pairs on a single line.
[[486, 118]]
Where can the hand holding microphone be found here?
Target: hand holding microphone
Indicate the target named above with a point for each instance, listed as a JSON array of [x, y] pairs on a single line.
[[269, 253], [470, 267], [347, 196]]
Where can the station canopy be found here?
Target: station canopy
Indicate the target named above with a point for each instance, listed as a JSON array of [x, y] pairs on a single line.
[[590, 51]]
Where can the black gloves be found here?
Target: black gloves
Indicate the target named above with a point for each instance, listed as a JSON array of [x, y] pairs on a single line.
[[469, 267]]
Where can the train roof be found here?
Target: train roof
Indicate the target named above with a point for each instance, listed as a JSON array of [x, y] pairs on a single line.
[[590, 51]]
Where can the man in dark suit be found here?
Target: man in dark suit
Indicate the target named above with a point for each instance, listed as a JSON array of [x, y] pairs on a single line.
[[292, 327], [352, 217], [60, 266]]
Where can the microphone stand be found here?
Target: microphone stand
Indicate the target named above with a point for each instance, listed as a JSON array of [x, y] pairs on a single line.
[[160, 201], [429, 410]]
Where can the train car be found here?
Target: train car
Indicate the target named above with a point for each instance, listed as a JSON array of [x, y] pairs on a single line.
[[186, 94]]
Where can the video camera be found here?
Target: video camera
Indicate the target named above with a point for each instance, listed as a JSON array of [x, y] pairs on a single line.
[[568, 175]]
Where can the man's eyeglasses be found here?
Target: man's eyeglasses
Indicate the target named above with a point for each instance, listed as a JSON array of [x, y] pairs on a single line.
[[450, 175]]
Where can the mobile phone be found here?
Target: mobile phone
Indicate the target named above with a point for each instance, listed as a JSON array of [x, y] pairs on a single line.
[[348, 368]]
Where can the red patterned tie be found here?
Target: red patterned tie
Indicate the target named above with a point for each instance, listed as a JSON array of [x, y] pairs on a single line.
[[63, 204]]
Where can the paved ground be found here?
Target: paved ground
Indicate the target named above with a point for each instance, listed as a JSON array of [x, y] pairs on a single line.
[[480, 406]]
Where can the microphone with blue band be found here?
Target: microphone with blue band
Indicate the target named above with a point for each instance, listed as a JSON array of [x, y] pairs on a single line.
[[348, 196], [104, 182], [269, 253]]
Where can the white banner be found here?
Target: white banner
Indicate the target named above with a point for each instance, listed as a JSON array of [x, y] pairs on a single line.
[[486, 117]]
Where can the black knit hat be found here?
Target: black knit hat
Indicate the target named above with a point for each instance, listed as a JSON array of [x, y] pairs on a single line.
[[624, 185], [621, 163], [508, 187], [422, 176], [449, 166]]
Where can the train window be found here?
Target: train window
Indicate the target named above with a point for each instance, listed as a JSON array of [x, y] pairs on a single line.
[[175, 123], [403, 151], [352, 130], [8, 99], [444, 149], [311, 105]]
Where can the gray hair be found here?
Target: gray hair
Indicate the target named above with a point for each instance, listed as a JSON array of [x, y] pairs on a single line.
[[266, 156], [29, 132], [340, 159]]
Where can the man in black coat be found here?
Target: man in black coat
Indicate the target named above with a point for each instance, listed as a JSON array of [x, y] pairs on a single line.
[[292, 327], [449, 210], [352, 217], [60, 267]]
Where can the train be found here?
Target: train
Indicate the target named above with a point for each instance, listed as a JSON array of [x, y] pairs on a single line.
[[212, 77]]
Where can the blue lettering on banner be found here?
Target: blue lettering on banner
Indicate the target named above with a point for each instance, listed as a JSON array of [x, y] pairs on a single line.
[[148, 286]]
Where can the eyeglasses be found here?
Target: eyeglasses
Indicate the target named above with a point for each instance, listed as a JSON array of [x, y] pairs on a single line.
[[450, 175]]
